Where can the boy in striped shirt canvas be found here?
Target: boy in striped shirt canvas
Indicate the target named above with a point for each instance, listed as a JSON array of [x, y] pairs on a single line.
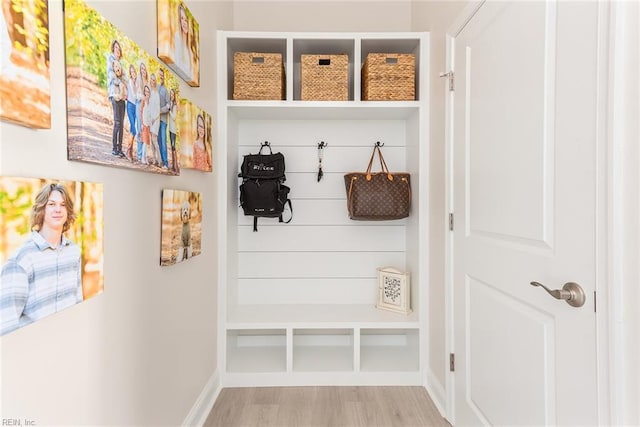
[[44, 275]]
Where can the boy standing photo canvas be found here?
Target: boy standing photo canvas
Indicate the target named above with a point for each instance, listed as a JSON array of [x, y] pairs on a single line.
[[51, 247]]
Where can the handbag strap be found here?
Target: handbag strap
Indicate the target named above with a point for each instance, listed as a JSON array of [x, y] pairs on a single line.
[[383, 164]]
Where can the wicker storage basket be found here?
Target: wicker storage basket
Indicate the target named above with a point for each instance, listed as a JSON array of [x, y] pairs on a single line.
[[389, 77], [325, 77], [258, 76]]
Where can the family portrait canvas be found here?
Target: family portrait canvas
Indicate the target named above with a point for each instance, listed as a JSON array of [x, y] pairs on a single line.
[[179, 40], [25, 86], [51, 247], [181, 226], [121, 102], [195, 130]]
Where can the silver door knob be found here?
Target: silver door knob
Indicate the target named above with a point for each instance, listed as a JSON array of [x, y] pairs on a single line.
[[571, 292]]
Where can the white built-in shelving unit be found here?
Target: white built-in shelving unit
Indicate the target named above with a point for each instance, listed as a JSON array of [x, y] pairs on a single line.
[[297, 301]]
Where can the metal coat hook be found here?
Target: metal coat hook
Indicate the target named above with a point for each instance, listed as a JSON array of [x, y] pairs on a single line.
[[321, 147], [265, 144], [379, 144]]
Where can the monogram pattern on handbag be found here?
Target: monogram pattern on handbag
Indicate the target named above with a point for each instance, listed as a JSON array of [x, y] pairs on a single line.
[[378, 196]]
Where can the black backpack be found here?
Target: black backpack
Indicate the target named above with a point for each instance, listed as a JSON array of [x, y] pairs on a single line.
[[262, 192]]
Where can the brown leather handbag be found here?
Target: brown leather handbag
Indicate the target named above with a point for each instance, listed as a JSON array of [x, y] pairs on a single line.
[[378, 196]]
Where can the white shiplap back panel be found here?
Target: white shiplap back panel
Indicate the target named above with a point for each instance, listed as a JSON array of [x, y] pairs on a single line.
[[336, 159], [335, 133], [288, 238], [306, 185], [307, 291], [319, 212], [316, 264], [322, 256]]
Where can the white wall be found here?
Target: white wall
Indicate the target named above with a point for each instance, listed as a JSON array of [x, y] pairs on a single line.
[[625, 213], [322, 15], [437, 17], [141, 352]]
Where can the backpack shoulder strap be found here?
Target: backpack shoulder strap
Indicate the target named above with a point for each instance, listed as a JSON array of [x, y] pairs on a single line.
[[288, 202]]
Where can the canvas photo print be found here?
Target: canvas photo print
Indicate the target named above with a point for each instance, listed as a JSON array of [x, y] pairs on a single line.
[[121, 102], [51, 247], [181, 226], [25, 86], [179, 40], [195, 130]]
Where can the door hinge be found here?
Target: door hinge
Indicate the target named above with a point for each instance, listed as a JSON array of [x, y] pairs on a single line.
[[451, 77], [452, 362], [451, 222], [595, 302]]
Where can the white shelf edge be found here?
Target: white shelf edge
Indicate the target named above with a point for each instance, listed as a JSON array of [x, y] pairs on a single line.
[[319, 110], [335, 316], [342, 378]]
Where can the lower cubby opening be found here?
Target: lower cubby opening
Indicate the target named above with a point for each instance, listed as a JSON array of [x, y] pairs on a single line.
[[389, 350], [316, 350], [257, 350]]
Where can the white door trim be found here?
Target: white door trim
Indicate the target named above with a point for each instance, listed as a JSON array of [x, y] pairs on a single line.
[[449, 337], [609, 388], [623, 187], [461, 21]]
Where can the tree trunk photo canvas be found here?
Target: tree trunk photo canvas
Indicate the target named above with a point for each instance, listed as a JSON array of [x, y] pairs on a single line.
[[25, 85], [179, 40]]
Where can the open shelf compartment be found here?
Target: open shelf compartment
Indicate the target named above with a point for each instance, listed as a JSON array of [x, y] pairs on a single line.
[[256, 350], [389, 350], [328, 350]]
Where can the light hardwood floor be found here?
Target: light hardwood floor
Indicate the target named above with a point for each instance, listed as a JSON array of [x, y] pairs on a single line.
[[324, 406]]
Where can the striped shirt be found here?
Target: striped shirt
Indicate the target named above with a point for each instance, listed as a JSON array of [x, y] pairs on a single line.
[[37, 281]]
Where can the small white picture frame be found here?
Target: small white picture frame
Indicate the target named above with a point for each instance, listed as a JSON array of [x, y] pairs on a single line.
[[394, 290]]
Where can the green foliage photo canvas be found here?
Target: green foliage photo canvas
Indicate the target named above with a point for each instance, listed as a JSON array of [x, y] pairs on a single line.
[[119, 98]]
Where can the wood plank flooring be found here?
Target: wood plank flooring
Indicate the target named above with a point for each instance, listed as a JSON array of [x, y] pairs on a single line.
[[324, 406]]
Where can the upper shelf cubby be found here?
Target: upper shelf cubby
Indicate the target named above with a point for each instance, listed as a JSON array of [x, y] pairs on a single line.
[[393, 45], [315, 46], [252, 44], [293, 45]]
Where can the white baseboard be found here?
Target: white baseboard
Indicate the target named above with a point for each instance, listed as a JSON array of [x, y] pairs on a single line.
[[202, 407], [437, 392]]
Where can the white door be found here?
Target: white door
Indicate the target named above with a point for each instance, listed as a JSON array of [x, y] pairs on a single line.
[[524, 183]]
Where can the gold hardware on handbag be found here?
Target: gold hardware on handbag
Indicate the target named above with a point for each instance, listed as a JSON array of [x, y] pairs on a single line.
[[378, 196]]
